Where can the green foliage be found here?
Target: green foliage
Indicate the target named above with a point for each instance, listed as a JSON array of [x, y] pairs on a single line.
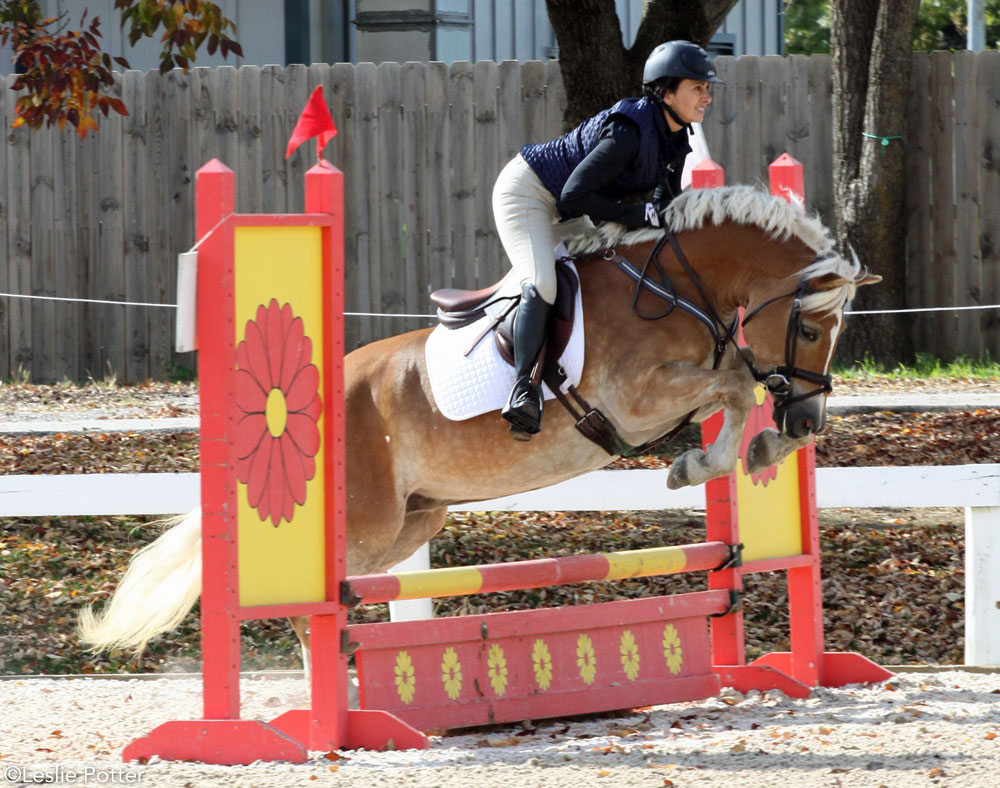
[[807, 27], [926, 367], [180, 373], [186, 26], [14, 11], [941, 24]]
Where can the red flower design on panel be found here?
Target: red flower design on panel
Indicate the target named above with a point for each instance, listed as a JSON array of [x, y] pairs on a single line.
[[277, 394], [759, 419]]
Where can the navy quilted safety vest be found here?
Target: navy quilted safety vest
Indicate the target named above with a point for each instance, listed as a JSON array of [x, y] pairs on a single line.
[[554, 161]]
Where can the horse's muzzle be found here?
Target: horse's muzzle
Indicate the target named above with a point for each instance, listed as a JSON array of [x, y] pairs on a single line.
[[802, 418]]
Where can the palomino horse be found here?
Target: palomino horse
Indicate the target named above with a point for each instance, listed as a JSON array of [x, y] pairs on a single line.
[[406, 463]]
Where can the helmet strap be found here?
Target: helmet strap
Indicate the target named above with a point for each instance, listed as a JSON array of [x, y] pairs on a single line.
[[675, 116]]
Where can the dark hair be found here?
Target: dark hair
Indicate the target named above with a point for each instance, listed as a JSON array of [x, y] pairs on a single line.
[[660, 87]]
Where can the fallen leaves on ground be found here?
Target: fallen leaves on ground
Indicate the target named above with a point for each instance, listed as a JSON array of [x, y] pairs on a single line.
[[958, 437], [99, 452]]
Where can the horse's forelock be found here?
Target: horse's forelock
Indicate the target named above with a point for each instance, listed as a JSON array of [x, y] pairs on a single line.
[[693, 209], [826, 301]]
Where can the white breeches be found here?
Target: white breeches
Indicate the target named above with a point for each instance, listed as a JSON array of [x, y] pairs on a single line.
[[526, 215]]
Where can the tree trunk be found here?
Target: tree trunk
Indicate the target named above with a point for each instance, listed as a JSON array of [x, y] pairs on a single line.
[[871, 43], [597, 69]]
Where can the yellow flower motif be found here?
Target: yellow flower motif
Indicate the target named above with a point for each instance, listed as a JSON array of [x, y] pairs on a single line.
[[451, 673], [406, 677], [541, 661], [586, 659], [630, 655], [496, 669], [672, 649]]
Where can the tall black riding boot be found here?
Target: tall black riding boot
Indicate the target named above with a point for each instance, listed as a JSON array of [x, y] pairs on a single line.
[[524, 405]]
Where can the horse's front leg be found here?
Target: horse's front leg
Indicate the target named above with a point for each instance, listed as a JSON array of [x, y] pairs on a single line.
[[734, 390], [769, 447]]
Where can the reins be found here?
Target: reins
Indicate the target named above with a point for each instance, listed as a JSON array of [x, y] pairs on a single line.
[[595, 426]]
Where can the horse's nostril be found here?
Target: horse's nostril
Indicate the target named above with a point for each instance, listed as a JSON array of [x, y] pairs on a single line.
[[802, 426]]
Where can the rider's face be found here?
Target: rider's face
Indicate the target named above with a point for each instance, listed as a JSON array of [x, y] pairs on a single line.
[[688, 101]]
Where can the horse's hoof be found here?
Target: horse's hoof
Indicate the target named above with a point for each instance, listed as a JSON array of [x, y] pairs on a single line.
[[761, 451], [755, 462], [677, 477], [519, 434]]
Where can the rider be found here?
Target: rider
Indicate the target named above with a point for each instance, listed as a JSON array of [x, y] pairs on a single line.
[[599, 169]]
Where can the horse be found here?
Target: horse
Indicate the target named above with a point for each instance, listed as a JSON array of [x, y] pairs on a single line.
[[733, 247]]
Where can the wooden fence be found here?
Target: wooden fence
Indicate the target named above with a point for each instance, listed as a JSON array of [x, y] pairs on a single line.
[[420, 144]]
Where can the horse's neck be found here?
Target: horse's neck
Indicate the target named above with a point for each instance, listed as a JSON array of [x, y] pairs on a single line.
[[731, 261]]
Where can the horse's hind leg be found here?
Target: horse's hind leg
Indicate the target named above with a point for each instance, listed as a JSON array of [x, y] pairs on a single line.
[[419, 525], [300, 625]]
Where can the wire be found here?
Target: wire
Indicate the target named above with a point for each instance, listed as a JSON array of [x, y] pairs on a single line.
[[921, 309], [383, 314], [85, 300], [434, 317]]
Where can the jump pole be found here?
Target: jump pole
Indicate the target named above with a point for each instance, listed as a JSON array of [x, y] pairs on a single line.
[[773, 514]]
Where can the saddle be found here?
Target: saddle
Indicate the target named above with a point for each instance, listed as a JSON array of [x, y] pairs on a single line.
[[460, 308]]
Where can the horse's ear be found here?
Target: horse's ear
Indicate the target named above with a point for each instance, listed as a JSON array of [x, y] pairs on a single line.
[[828, 282], [832, 281]]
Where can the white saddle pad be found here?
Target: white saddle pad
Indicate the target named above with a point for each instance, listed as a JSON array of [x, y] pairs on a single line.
[[468, 386]]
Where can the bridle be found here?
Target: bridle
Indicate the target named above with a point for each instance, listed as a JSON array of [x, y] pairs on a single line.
[[778, 380], [596, 427]]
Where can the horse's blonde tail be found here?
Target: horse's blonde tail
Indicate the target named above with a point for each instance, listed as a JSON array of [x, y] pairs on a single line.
[[161, 585]]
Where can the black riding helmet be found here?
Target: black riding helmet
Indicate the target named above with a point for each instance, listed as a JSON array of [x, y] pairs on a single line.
[[679, 59]]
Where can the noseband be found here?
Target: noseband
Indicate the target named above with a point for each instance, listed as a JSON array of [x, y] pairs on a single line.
[[778, 380]]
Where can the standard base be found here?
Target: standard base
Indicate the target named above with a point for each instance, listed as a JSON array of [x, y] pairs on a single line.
[[744, 678], [367, 729], [286, 738], [774, 671], [227, 742], [838, 668]]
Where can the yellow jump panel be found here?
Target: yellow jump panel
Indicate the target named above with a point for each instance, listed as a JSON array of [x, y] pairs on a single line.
[[768, 508], [279, 336]]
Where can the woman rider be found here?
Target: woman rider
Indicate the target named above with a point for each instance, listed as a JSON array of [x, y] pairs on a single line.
[[598, 169]]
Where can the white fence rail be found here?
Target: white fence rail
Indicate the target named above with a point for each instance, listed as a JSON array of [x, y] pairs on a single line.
[[976, 488]]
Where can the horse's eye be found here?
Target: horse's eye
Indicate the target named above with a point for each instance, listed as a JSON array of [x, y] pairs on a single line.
[[808, 333]]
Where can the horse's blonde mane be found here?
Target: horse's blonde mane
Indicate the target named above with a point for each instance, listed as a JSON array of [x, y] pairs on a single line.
[[747, 205]]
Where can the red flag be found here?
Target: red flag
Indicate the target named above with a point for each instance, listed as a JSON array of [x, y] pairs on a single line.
[[315, 121]]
